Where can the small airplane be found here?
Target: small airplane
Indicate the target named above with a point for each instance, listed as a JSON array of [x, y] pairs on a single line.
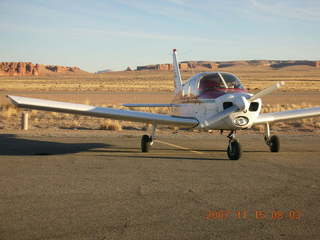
[[207, 100]]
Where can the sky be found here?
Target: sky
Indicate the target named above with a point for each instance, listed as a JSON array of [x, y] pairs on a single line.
[[113, 34]]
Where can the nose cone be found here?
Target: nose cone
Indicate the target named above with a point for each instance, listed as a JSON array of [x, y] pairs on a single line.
[[242, 103], [247, 112]]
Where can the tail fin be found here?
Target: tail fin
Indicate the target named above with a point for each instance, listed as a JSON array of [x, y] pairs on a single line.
[[177, 75]]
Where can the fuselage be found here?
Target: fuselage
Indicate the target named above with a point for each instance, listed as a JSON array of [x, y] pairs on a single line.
[[206, 94]]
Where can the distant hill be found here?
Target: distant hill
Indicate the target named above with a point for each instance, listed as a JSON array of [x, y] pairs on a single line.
[[28, 68], [187, 65], [103, 71]]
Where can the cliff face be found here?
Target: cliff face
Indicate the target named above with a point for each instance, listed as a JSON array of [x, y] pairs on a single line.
[[215, 65], [182, 66], [28, 68]]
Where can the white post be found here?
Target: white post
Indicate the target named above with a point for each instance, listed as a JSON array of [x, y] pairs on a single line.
[[25, 121]]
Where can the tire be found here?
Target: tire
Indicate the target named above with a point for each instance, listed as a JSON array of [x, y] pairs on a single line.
[[234, 150], [274, 144], [145, 143]]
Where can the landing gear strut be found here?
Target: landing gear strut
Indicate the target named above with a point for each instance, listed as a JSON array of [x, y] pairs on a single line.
[[147, 141], [234, 149], [273, 142]]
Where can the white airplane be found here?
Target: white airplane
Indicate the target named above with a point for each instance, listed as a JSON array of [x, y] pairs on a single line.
[[208, 100]]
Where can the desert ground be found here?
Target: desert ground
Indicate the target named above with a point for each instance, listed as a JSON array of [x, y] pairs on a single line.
[[77, 177], [254, 78], [67, 184], [115, 88]]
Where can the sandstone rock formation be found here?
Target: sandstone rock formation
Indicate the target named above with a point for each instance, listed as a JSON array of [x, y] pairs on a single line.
[[28, 68], [281, 64], [209, 65], [183, 66]]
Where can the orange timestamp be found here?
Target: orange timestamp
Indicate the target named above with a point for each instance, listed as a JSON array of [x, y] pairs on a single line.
[[258, 214]]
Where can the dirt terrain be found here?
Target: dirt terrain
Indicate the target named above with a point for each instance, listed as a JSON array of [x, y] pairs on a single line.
[[72, 177], [102, 98], [302, 90], [253, 78], [98, 185]]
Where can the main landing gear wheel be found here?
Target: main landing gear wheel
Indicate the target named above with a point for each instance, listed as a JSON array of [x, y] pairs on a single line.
[[274, 143], [146, 143], [234, 150]]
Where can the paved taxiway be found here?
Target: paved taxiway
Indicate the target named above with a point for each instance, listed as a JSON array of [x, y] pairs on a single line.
[[87, 185]]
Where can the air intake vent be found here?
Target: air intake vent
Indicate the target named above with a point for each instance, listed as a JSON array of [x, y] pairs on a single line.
[[227, 105], [253, 106]]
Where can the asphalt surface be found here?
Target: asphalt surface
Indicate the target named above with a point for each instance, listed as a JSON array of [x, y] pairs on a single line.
[[87, 185]]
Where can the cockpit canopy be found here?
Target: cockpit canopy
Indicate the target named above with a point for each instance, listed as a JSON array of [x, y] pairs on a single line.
[[219, 80], [211, 85]]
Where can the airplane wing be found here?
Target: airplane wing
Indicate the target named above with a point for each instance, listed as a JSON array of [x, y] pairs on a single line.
[[287, 115], [150, 105], [119, 114]]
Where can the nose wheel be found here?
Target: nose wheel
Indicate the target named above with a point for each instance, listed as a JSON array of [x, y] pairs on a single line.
[[234, 149]]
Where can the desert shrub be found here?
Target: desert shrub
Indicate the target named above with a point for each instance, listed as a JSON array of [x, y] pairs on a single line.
[[112, 125], [8, 111]]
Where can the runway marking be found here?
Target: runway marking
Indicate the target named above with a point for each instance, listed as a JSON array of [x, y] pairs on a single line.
[[179, 147]]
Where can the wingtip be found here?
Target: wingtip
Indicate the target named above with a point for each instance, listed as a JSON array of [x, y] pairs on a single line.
[[12, 99], [280, 84]]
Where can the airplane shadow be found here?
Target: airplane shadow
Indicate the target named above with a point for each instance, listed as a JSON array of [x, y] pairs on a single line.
[[14, 146], [166, 157], [11, 145], [179, 158]]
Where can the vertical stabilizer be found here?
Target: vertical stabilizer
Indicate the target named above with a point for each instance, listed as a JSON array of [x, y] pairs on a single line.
[[177, 75]]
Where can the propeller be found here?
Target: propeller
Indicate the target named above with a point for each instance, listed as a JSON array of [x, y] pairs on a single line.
[[267, 91], [241, 103], [209, 123]]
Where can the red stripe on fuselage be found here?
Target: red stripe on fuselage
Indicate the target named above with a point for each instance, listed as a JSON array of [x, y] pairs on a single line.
[[215, 93], [206, 94]]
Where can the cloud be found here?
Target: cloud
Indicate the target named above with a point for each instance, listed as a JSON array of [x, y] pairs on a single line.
[[177, 2], [302, 10], [139, 35], [176, 9]]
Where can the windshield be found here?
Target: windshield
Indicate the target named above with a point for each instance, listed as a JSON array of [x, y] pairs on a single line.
[[211, 81], [232, 81], [219, 80]]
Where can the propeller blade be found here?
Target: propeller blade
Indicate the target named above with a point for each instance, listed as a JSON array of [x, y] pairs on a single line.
[[267, 91], [209, 123]]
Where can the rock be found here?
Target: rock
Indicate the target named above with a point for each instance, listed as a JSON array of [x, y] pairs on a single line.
[[183, 66], [204, 65], [28, 68], [103, 71], [280, 64], [210, 65]]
